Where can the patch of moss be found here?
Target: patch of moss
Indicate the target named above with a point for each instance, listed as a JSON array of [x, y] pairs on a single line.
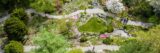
[[94, 25]]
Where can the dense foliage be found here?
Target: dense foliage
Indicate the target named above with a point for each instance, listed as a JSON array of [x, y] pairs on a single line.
[[135, 47], [43, 5], [52, 43], [65, 28], [14, 47], [21, 14], [107, 41], [15, 29], [142, 9], [11, 4], [151, 36]]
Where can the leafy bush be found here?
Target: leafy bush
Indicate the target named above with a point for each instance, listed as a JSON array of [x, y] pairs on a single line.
[[107, 40], [151, 36], [43, 5], [65, 28], [52, 43], [134, 47], [15, 29], [154, 19], [110, 29], [76, 51], [118, 40], [20, 13], [131, 28], [146, 42], [83, 39], [14, 47]]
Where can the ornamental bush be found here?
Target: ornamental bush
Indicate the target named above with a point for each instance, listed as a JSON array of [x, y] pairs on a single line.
[[107, 41], [20, 13], [14, 47], [15, 29], [49, 42], [83, 39], [110, 29]]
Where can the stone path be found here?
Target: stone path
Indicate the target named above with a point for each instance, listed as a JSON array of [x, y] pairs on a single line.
[[120, 33], [98, 48], [78, 12]]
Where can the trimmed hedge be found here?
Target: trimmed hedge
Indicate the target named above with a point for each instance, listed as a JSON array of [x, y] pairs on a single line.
[[14, 47], [15, 29]]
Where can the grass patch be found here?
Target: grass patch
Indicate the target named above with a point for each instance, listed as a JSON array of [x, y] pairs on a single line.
[[94, 25]]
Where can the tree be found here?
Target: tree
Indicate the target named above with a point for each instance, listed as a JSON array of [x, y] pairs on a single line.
[[15, 29], [48, 42], [131, 3], [11, 4], [115, 6], [142, 9], [139, 8]]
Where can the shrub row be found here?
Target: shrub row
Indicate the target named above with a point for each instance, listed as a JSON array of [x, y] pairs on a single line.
[[16, 29]]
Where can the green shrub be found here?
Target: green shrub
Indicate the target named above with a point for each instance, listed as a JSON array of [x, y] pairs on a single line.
[[150, 36], [154, 19], [135, 47], [20, 13], [107, 40], [118, 40], [76, 51], [83, 39], [65, 28], [15, 29], [49, 42], [44, 5], [110, 29], [14, 47]]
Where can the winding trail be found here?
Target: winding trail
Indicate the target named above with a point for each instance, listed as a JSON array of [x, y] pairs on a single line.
[[95, 11], [98, 48], [78, 13]]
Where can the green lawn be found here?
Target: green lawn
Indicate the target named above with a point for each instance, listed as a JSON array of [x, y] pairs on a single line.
[[94, 25]]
